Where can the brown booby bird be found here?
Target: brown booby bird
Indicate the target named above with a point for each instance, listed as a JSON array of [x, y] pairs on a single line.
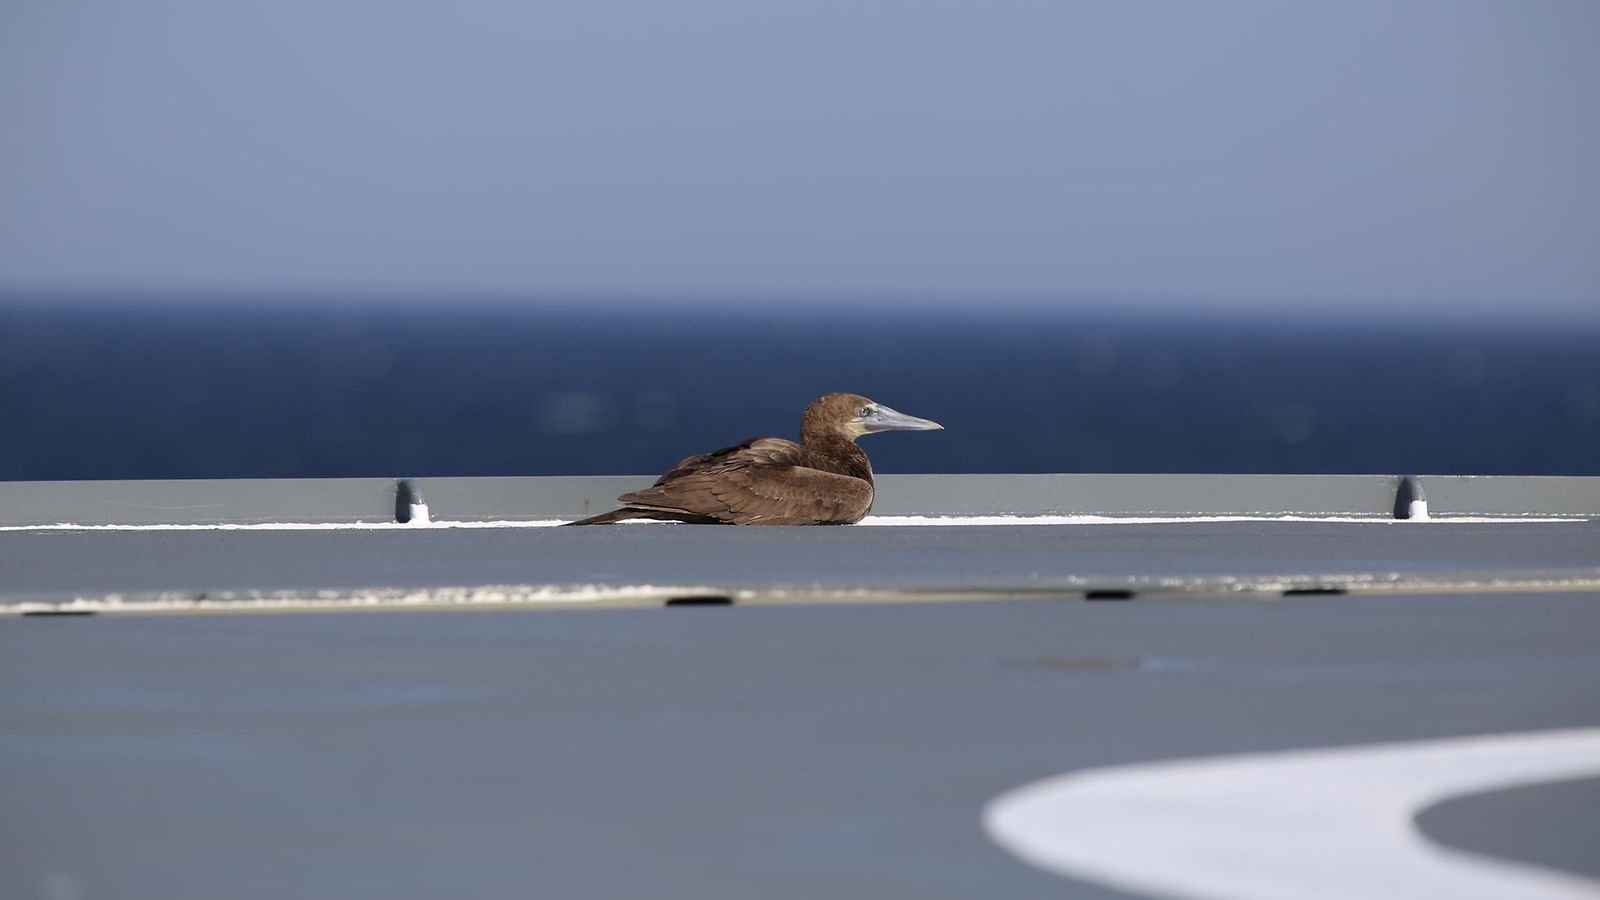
[[823, 480]]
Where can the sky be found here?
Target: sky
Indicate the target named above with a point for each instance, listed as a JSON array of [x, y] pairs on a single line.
[[1433, 156]]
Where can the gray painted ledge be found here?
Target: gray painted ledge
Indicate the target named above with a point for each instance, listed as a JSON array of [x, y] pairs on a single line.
[[376, 500]]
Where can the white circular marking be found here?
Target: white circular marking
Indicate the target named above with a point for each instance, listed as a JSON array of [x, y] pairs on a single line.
[[1326, 824]]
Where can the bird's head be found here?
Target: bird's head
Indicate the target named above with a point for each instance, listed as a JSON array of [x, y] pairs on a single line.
[[855, 415]]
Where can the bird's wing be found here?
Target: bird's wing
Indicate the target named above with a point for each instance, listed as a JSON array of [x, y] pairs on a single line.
[[761, 481], [702, 460]]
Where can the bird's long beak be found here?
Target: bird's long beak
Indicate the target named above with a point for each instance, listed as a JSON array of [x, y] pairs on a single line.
[[885, 419]]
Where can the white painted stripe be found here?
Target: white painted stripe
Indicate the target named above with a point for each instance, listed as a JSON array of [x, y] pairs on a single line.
[[1327, 824], [421, 522], [1181, 520], [359, 598]]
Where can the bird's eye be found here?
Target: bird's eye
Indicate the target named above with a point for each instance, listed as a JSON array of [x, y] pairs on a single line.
[[866, 411]]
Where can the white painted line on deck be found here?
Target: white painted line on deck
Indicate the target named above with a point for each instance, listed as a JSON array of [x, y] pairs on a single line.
[[289, 600], [1180, 520], [1326, 824], [422, 523]]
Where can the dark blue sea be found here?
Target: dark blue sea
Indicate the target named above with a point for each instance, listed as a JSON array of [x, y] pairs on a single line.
[[153, 390]]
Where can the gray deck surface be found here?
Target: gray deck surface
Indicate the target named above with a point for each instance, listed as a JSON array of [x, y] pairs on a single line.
[[1524, 823], [762, 750], [779, 751], [54, 565]]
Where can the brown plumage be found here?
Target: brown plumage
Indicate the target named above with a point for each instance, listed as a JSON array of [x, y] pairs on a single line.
[[823, 480]]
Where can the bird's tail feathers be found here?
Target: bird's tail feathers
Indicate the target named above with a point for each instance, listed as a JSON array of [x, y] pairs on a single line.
[[616, 515], [660, 515]]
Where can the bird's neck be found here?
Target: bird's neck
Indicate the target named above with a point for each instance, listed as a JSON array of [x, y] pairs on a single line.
[[839, 453]]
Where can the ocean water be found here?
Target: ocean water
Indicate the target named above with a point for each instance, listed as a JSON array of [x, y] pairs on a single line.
[[279, 390]]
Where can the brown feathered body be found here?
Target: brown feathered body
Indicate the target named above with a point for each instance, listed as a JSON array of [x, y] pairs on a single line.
[[825, 479]]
